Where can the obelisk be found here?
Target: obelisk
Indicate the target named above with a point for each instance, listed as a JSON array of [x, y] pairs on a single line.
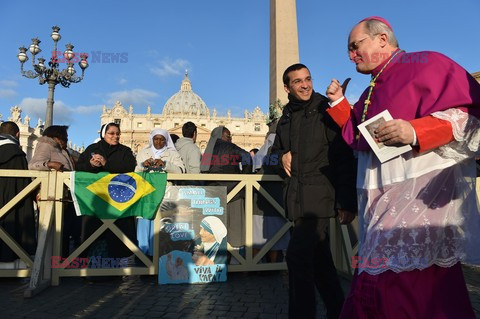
[[283, 45]]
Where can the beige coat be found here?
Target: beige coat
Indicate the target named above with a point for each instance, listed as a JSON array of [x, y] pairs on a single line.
[[48, 150]]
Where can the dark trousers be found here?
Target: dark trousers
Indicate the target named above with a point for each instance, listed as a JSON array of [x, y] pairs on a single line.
[[72, 225], [310, 266]]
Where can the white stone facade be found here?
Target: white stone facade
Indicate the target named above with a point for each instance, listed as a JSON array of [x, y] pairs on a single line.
[[28, 135], [247, 132]]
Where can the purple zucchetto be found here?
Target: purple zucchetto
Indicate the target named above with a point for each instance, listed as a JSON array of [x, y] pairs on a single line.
[[378, 19]]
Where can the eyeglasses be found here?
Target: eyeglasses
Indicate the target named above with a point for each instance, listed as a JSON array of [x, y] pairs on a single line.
[[354, 46], [113, 133], [298, 82]]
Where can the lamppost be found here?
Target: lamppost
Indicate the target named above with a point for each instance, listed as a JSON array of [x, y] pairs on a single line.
[[52, 75]]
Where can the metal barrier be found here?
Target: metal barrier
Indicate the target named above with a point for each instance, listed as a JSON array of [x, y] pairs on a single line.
[[51, 185]]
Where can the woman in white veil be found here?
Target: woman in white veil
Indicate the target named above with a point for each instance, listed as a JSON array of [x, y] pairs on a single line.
[[160, 155]]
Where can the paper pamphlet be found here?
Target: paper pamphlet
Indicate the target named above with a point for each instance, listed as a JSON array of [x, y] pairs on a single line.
[[383, 152]]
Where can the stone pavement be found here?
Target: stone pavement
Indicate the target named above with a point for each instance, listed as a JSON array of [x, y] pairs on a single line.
[[472, 277], [245, 295]]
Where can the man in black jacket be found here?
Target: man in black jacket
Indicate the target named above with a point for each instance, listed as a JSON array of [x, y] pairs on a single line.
[[319, 186]]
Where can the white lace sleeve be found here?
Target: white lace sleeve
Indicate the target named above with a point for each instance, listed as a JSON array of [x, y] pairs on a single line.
[[466, 131]]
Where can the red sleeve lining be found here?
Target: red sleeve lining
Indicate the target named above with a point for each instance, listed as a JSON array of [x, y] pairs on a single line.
[[432, 132], [340, 113]]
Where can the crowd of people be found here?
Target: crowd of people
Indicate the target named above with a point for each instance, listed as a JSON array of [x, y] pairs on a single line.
[[161, 154], [417, 212]]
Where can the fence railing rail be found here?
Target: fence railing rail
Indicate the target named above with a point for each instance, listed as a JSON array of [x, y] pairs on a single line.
[[51, 186]]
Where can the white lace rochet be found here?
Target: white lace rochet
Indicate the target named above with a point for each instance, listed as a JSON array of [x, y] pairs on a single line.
[[421, 209]]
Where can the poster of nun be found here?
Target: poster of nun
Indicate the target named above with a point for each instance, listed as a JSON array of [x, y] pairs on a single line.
[[193, 235]]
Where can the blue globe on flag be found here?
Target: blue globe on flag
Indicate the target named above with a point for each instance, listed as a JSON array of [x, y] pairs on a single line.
[[122, 188]]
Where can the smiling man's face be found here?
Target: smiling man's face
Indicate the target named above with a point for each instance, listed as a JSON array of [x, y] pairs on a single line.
[[300, 84]]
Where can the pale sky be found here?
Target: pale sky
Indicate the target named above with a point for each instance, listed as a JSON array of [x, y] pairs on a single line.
[[224, 44]]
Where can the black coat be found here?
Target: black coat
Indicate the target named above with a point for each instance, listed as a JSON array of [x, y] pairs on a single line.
[[478, 167], [262, 206], [119, 159], [323, 166], [19, 222], [225, 159]]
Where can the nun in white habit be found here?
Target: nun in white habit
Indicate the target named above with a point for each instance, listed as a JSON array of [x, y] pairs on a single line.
[[160, 155]]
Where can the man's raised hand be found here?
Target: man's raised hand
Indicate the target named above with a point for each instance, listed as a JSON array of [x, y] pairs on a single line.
[[336, 90]]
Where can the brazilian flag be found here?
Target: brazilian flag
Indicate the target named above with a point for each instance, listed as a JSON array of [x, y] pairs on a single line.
[[112, 196]]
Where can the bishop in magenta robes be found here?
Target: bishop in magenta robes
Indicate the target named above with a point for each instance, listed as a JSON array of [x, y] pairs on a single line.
[[418, 211]]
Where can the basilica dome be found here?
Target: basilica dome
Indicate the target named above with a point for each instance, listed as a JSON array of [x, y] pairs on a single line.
[[185, 101]]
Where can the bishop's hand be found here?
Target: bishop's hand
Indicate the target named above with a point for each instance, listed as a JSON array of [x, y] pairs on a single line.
[[336, 90], [395, 132]]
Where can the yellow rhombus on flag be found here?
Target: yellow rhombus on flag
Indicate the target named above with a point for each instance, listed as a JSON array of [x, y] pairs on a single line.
[[121, 199]]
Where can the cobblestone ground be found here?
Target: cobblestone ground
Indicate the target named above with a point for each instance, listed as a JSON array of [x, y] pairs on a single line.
[[472, 277], [245, 295]]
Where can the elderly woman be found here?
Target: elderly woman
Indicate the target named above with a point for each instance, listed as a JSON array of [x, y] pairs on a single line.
[[212, 246], [51, 154], [107, 155], [51, 151], [159, 155]]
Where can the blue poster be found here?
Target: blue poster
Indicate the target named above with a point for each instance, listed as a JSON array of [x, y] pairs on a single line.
[[193, 235]]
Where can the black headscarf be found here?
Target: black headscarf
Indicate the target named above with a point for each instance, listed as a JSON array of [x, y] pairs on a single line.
[[207, 155]]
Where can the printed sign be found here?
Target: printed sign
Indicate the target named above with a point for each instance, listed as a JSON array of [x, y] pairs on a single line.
[[193, 235]]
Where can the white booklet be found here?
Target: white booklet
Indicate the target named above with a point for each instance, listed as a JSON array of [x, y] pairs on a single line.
[[383, 152]]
